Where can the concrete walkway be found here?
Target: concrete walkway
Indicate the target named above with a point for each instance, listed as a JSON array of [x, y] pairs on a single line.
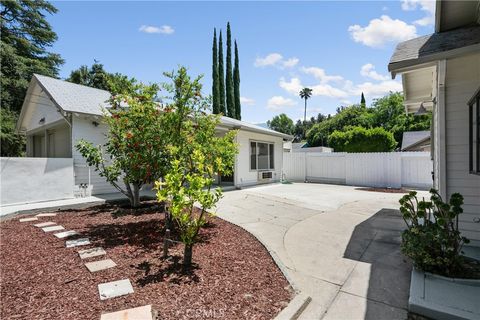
[[338, 244]]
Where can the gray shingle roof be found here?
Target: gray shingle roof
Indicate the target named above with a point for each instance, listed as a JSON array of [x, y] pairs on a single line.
[[426, 48], [73, 97], [411, 138]]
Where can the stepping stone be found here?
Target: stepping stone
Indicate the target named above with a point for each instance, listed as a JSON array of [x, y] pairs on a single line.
[[90, 253], [77, 242], [114, 289], [139, 313], [44, 224], [65, 234], [100, 265], [53, 228], [27, 219], [46, 215]]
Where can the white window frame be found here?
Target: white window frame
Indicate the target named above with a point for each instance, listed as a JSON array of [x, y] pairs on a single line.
[[268, 143]]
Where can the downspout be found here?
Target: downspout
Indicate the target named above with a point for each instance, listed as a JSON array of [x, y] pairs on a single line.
[[440, 124]]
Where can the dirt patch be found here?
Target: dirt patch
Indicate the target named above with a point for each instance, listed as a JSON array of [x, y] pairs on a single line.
[[234, 277], [385, 190]]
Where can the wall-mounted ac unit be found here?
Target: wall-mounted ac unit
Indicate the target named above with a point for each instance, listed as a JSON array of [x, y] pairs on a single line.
[[265, 175]]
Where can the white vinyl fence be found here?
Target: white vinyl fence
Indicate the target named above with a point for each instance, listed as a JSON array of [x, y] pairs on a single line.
[[26, 180], [392, 169]]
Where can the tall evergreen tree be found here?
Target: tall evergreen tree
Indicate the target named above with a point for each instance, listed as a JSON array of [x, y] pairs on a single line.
[[215, 97], [362, 101], [221, 78], [236, 85], [26, 37], [229, 76]]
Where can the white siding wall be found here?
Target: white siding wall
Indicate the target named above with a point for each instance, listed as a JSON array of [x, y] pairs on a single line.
[[462, 80], [243, 175], [40, 106], [83, 128]]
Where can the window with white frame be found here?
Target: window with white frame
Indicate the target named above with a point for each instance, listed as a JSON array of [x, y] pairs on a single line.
[[474, 133], [262, 155]]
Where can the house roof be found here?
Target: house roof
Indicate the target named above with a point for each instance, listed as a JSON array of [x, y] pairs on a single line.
[[237, 124], [433, 47], [76, 98], [411, 138], [73, 97]]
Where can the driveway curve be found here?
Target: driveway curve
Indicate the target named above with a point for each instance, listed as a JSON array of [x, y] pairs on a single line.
[[338, 244]]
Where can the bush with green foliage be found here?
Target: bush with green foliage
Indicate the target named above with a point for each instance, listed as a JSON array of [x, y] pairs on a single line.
[[432, 239], [197, 154], [387, 112], [359, 139], [135, 148]]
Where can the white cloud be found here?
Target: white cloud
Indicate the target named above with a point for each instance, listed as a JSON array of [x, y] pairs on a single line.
[[376, 90], [247, 101], [293, 86], [321, 75], [276, 60], [368, 70], [425, 5], [278, 102], [152, 29], [382, 30]]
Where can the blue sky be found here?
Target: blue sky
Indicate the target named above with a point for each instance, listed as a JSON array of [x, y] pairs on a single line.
[[338, 48]]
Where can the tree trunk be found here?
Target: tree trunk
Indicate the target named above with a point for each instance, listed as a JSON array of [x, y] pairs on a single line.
[[187, 256], [136, 196]]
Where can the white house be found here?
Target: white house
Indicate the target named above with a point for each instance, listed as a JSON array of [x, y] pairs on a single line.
[[57, 113], [441, 72]]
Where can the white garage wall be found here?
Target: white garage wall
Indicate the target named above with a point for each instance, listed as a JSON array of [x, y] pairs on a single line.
[[243, 175], [26, 180]]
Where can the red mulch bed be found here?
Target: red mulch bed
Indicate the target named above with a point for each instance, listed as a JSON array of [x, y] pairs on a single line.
[[234, 277]]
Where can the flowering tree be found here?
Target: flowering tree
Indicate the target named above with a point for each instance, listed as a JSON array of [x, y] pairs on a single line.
[[134, 152], [197, 154]]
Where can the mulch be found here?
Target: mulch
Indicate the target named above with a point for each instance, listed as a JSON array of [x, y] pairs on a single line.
[[233, 276]]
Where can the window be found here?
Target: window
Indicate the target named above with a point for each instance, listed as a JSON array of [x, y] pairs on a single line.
[[261, 155], [474, 133]]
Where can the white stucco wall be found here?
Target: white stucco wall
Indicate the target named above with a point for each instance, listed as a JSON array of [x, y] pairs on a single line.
[[461, 82], [82, 128], [35, 179], [243, 175]]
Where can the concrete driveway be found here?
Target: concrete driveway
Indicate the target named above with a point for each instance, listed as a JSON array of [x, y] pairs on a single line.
[[338, 244]]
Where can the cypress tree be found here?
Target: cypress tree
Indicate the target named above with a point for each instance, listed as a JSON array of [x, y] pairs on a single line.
[[362, 101], [229, 76], [236, 85], [215, 97], [221, 79]]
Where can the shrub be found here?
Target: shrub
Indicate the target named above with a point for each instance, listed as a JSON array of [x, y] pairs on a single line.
[[432, 239], [359, 139]]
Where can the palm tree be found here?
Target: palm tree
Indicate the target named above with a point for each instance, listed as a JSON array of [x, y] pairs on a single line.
[[305, 94]]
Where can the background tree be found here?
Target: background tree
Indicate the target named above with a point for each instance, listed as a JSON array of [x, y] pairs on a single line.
[[305, 94], [236, 85], [134, 151], [26, 36], [362, 101], [359, 139], [229, 76], [95, 76], [282, 123], [12, 142], [215, 97], [221, 77], [197, 154]]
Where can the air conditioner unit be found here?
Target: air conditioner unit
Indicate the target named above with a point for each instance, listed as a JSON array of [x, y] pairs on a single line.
[[265, 175]]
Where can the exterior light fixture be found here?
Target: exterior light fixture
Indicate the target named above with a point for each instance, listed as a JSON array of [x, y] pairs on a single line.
[[95, 123], [41, 121]]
